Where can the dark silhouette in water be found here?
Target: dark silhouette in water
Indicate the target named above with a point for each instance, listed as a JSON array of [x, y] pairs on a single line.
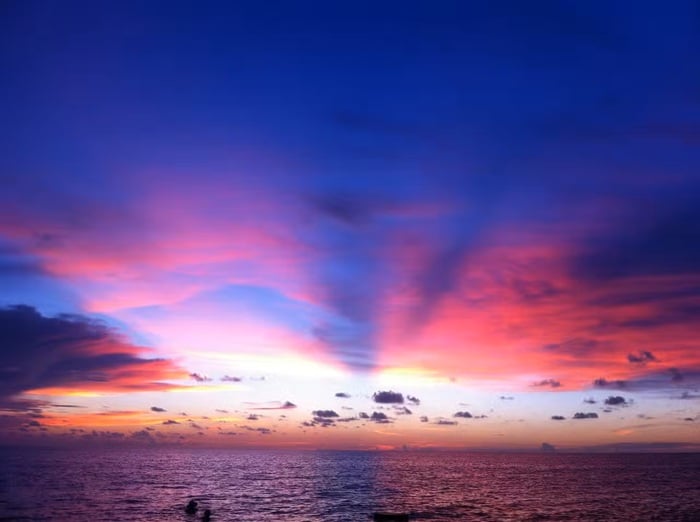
[[191, 508], [207, 516], [390, 517]]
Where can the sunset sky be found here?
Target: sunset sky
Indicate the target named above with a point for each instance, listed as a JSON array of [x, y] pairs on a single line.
[[350, 224]]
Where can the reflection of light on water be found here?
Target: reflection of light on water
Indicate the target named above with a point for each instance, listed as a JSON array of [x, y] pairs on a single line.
[[347, 485]]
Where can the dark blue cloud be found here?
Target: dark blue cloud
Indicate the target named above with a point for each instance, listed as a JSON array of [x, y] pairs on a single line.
[[71, 351], [388, 397], [581, 415]]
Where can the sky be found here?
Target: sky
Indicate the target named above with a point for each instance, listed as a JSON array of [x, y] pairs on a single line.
[[350, 225]]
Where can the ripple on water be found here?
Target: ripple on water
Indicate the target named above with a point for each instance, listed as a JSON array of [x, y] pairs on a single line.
[[339, 486]]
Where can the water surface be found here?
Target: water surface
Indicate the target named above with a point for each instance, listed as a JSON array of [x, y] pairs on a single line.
[[154, 485]]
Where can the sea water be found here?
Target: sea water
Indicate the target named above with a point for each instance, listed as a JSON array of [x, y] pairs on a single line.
[[242, 485]]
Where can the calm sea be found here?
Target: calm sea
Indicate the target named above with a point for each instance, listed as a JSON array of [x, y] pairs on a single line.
[[153, 485]]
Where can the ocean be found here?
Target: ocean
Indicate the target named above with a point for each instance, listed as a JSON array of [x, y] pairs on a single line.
[[242, 485]]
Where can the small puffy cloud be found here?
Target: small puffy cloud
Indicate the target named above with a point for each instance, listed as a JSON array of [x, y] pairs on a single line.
[[324, 422], [580, 415], [642, 357], [275, 405], [252, 417], [363, 415], [387, 397], [590, 400], [230, 378], [547, 448], [199, 378], [507, 398], [551, 383], [604, 383], [616, 400], [558, 417], [413, 400], [402, 410], [445, 422], [379, 418], [463, 415], [158, 409], [325, 414], [342, 395], [170, 422], [424, 418]]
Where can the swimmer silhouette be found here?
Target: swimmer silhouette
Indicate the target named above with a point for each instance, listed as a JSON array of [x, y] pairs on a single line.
[[191, 508]]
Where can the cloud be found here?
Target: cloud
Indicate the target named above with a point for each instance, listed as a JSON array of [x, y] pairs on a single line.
[[275, 405], [445, 422], [580, 415], [463, 415], [229, 378], [325, 414], [387, 397], [548, 448], [590, 400], [663, 243], [577, 347], [363, 415], [252, 417], [379, 418], [170, 422], [642, 357], [342, 395], [413, 400], [547, 382], [424, 418], [402, 410], [616, 400], [668, 379], [506, 398], [158, 409], [200, 378], [558, 417], [73, 352], [347, 419], [604, 383], [261, 431]]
